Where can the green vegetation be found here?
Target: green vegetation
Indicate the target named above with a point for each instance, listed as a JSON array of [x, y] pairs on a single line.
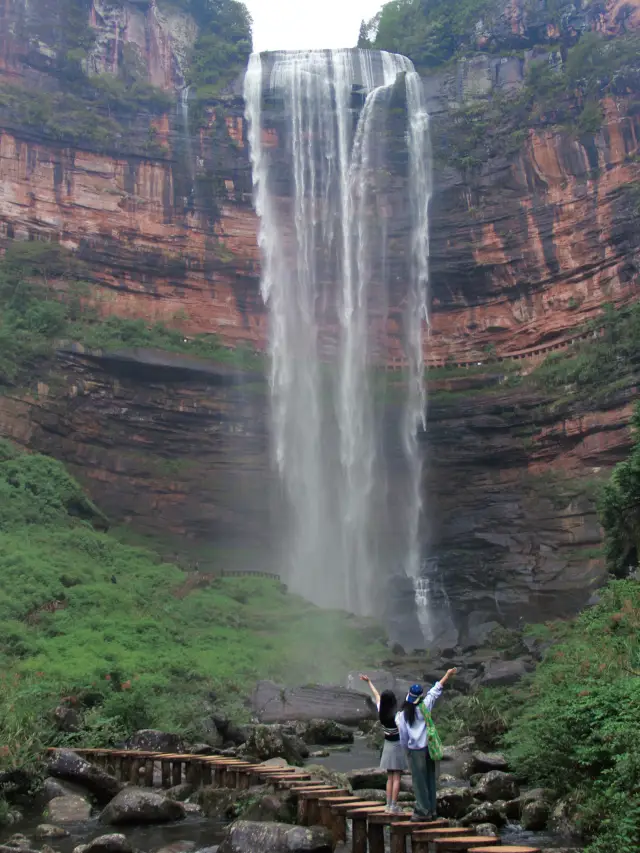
[[620, 510], [572, 726], [43, 299], [577, 733], [566, 94], [119, 645], [223, 45], [600, 363], [429, 32]]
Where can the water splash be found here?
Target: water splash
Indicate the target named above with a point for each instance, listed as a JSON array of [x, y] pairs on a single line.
[[324, 236]]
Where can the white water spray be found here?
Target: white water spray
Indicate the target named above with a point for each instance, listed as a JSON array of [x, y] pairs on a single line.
[[319, 131]]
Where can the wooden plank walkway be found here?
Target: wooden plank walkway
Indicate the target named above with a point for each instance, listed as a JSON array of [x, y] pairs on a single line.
[[319, 802]]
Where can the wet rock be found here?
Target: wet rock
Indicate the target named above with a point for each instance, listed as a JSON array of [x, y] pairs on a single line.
[[207, 849], [474, 778], [447, 779], [135, 806], [454, 802], [273, 703], [270, 808], [68, 809], [503, 673], [154, 740], [180, 792], [179, 847], [18, 842], [66, 764], [230, 732], [192, 808], [112, 843], [536, 794], [81, 848], [562, 819], [320, 753], [487, 829], [51, 789], [67, 719], [203, 749], [483, 762], [496, 785], [226, 803], [484, 813], [371, 777], [16, 781], [266, 742], [48, 830], [323, 732], [512, 809], [535, 815], [466, 744], [250, 837]]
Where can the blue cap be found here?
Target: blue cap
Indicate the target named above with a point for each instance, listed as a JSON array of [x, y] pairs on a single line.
[[415, 694]]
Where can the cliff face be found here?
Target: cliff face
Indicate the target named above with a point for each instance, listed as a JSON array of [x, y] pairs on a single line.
[[524, 249]]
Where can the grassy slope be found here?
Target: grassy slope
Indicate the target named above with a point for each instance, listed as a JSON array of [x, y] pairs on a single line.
[[169, 652]]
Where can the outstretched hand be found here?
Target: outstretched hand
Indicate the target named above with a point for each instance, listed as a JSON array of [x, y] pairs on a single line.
[[365, 678], [451, 672]]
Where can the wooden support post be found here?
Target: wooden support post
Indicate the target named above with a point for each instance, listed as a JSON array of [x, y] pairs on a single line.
[[207, 773], [149, 767], [165, 772], [134, 771], [219, 776], [176, 772], [400, 832], [195, 768], [117, 768], [359, 834]]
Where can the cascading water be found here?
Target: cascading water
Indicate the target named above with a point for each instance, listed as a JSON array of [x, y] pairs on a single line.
[[327, 196]]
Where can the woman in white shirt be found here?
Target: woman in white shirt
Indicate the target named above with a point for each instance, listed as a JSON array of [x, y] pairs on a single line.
[[414, 738]]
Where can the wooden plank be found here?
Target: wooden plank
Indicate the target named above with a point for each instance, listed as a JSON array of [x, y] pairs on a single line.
[[507, 848], [387, 818], [453, 845], [444, 832]]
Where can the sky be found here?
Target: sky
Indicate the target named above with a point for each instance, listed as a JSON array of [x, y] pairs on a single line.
[[308, 24]]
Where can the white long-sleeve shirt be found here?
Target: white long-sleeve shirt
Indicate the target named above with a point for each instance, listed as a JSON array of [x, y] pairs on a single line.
[[415, 736]]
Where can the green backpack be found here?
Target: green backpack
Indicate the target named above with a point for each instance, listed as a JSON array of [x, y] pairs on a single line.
[[433, 738]]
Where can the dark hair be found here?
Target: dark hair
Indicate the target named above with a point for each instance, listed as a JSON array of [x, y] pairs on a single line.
[[409, 711], [388, 706]]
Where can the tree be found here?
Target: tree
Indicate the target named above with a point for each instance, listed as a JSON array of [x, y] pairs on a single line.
[[620, 510]]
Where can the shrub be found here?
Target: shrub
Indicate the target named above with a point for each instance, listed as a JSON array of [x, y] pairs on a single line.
[[578, 731]]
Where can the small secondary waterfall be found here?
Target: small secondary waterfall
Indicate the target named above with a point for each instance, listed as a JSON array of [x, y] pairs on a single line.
[[328, 157]]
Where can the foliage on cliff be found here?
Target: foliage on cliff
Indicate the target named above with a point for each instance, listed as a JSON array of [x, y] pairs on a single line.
[[112, 628], [598, 364], [43, 299], [223, 45], [556, 93], [620, 511], [429, 32]]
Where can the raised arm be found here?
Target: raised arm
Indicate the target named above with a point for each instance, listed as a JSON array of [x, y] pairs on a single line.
[[448, 674], [376, 695]]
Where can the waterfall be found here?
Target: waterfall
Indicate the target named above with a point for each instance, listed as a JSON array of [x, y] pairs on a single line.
[[186, 130], [325, 197]]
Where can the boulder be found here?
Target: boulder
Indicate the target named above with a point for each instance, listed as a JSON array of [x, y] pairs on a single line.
[[535, 815], [252, 836], [323, 732], [447, 779], [230, 732], [18, 841], [454, 802], [502, 673], [371, 777], [154, 740], [48, 830], [272, 703], [180, 792], [266, 742], [512, 809], [113, 843], [562, 819], [51, 789], [66, 764], [320, 753], [67, 719], [483, 762], [466, 744], [332, 777], [488, 829], [484, 813], [135, 806], [496, 785], [68, 809], [225, 804], [270, 808]]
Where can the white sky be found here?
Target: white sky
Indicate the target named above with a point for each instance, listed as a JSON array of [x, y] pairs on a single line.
[[308, 24]]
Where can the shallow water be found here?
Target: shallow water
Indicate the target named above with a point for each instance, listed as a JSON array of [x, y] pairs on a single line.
[[202, 832]]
